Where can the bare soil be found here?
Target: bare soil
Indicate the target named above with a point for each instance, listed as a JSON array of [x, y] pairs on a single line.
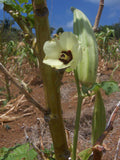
[[32, 124]]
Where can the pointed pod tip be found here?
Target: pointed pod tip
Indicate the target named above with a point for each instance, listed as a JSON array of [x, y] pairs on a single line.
[[72, 9]]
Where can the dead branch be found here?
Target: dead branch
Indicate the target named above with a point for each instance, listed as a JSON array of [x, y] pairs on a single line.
[[117, 150], [97, 19], [22, 89], [97, 152], [11, 109], [2, 100], [11, 102]]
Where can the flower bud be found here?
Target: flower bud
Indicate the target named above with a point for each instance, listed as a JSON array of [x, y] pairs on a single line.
[[87, 67]]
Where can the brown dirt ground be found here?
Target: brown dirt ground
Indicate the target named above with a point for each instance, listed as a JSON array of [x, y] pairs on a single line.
[[16, 132]]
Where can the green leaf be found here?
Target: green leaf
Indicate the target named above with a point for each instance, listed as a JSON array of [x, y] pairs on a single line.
[[110, 87], [28, 8], [23, 1], [85, 154], [2, 1], [99, 118], [2, 89], [68, 70], [9, 2], [19, 152], [3, 151]]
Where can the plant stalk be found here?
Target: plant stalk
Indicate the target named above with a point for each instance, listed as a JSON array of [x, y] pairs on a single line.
[[52, 81], [78, 112]]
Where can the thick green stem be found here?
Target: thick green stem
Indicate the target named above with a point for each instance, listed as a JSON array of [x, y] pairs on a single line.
[[51, 80], [80, 98]]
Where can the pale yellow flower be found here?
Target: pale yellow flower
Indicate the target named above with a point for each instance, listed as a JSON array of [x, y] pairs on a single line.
[[63, 52]]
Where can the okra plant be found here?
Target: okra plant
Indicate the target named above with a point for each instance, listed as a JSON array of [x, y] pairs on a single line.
[[77, 51]]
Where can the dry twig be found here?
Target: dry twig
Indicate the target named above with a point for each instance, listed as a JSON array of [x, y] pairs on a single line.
[[10, 119], [109, 126], [12, 102], [22, 89], [2, 100], [117, 150], [11, 109]]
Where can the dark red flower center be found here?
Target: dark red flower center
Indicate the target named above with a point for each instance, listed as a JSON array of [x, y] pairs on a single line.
[[66, 56]]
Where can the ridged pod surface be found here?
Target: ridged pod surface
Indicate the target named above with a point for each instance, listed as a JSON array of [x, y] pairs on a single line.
[[87, 67], [99, 117]]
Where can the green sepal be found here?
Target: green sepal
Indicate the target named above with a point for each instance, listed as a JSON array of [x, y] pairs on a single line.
[[85, 154]]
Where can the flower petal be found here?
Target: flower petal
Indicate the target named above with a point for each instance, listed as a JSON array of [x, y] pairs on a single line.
[[77, 56], [67, 40], [77, 52], [55, 63], [51, 49]]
